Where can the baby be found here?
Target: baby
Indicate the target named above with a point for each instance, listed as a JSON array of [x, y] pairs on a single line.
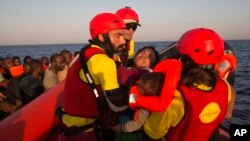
[[149, 84]]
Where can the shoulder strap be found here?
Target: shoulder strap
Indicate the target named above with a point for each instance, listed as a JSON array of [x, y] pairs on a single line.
[[85, 54]]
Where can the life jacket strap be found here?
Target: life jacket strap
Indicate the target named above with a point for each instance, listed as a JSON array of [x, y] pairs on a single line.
[[85, 54]]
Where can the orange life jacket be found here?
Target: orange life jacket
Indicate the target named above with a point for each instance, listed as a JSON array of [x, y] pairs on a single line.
[[204, 111], [16, 70], [79, 97], [227, 65], [45, 67], [171, 68]]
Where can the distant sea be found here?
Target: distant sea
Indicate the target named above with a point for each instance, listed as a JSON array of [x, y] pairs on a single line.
[[241, 114]]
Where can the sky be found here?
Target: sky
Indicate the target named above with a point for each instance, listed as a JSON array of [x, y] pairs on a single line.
[[27, 22]]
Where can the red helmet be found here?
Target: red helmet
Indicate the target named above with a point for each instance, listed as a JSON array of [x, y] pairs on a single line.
[[104, 22], [203, 45], [128, 15]]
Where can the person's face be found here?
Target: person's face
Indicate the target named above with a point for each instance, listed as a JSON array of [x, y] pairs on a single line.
[[40, 70], [16, 62], [117, 38], [130, 30], [8, 63], [68, 58], [142, 59], [26, 68], [59, 63], [27, 60], [45, 61]]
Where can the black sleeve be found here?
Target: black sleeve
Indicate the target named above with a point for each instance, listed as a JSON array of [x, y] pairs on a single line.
[[118, 97]]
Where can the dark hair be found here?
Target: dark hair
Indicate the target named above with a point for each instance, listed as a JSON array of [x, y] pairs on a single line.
[[34, 64], [151, 83], [44, 57], [65, 52], [54, 56], [27, 58], [67, 56], [154, 56], [106, 44], [195, 74], [16, 57]]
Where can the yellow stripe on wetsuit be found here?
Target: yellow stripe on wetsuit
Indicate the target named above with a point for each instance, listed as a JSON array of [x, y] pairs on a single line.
[[70, 121]]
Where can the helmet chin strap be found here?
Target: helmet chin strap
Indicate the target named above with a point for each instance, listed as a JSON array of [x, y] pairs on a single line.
[[106, 44]]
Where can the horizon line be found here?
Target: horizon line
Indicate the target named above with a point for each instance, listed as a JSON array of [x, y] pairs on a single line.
[[87, 43]]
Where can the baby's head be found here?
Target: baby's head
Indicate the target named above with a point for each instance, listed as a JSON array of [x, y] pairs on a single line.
[[151, 83]]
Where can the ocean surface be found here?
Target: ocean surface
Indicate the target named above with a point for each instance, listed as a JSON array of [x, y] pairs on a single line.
[[241, 114]]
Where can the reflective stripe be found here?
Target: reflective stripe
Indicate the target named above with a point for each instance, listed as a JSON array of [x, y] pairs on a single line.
[[70, 121], [89, 78]]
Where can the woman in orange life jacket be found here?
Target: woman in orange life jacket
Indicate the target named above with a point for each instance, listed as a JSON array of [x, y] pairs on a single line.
[[131, 19], [202, 98], [226, 67], [91, 90]]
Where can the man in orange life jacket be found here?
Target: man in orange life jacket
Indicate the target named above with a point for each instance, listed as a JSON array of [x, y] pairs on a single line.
[[91, 86], [131, 19]]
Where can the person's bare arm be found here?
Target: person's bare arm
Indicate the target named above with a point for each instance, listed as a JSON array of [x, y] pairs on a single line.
[[231, 103], [132, 125]]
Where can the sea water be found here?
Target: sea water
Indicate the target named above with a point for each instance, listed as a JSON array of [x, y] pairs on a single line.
[[241, 114]]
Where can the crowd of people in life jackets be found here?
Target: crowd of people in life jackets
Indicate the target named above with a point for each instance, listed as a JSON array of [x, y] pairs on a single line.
[[21, 83], [112, 93]]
